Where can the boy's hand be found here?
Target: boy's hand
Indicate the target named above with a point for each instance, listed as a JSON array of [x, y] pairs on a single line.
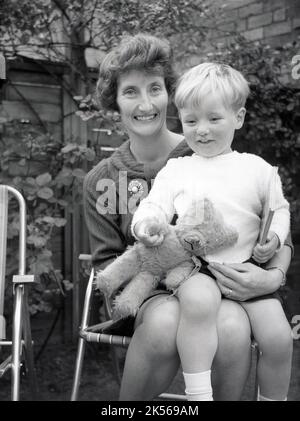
[[150, 232], [263, 254]]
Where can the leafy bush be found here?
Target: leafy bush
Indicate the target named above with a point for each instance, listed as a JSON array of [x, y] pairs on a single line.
[[47, 194]]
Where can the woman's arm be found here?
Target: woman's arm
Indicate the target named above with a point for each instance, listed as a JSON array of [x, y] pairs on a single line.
[[106, 238], [246, 280]]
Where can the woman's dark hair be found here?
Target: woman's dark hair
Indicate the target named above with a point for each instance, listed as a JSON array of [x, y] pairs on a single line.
[[136, 52]]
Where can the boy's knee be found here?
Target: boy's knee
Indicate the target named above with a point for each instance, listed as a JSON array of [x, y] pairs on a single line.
[[199, 302]]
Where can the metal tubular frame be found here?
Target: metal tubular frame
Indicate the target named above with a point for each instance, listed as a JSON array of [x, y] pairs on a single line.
[[21, 321], [92, 334]]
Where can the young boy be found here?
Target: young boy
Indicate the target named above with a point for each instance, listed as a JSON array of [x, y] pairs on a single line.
[[211, 98]]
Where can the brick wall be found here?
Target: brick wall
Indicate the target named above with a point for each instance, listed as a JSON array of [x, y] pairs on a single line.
[[271, 21]]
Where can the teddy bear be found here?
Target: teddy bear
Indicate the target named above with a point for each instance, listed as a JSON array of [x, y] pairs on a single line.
[[142, 267]]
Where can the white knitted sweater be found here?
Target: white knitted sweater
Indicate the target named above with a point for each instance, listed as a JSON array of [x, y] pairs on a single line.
[[238, 186]]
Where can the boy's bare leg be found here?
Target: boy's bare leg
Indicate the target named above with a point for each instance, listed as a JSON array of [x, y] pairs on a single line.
[[197, 340]]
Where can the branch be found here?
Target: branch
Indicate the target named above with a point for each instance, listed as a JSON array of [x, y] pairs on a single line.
[[44, 45], [92, 15], [63, 10]]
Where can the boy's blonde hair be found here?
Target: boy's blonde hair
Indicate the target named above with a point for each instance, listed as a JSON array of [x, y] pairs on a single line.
[[207, 78]]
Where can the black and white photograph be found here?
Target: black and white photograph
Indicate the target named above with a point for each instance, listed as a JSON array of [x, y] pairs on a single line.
[[149, 203]]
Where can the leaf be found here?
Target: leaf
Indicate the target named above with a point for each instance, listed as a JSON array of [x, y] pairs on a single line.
[[64, 173], [62, 202], [30, 187], [68, 286], [86, 115], [43, 179], [90, 155], [69, 148], [36, 240], [45, 193], [30, 181], [42, 263], [17, 180], [67, 181], [83, 106], [13, 230], [79, 173], [60, 222], [87, 98], [49, 220], [38, 267]]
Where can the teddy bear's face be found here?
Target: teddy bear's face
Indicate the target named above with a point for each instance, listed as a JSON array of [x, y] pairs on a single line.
[[192, 239]]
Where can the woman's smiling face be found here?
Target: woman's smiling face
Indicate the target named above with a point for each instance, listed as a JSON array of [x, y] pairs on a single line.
[[142, 99]]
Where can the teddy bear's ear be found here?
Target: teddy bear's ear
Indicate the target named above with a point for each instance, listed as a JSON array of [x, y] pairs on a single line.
[[209, 210]]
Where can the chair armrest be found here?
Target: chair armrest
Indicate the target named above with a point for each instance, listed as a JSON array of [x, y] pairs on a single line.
[[23, 279], [87, 257]]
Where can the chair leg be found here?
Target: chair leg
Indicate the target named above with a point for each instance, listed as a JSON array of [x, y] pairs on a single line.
[[28, 351], [78, 369], [116, 364], [113, 351], [16, 342], [256, 385], [81, 343]]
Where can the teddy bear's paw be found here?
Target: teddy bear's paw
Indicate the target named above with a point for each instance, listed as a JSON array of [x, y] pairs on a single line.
[[172, 284], [102, 283], [116, 315], [123, 308]]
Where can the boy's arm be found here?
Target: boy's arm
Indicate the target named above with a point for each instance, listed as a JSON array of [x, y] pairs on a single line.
[[280, 224], [289, 242], [158, 207], [280, 263]]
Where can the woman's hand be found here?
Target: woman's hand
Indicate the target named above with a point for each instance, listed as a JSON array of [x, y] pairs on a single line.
[[245, 280]]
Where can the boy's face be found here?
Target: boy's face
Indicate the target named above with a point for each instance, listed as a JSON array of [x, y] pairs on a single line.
[[209, 128]]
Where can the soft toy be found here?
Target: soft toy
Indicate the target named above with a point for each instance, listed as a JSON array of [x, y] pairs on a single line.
[[171, 262]]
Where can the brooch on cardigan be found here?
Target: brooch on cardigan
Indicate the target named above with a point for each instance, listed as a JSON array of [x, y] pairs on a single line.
[[135, 187]]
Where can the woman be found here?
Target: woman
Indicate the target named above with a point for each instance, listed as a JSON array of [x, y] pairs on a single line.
[[137, 79]]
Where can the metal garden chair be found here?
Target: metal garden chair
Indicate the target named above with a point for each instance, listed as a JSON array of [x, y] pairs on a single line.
[[94, 334], [21, 343]]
